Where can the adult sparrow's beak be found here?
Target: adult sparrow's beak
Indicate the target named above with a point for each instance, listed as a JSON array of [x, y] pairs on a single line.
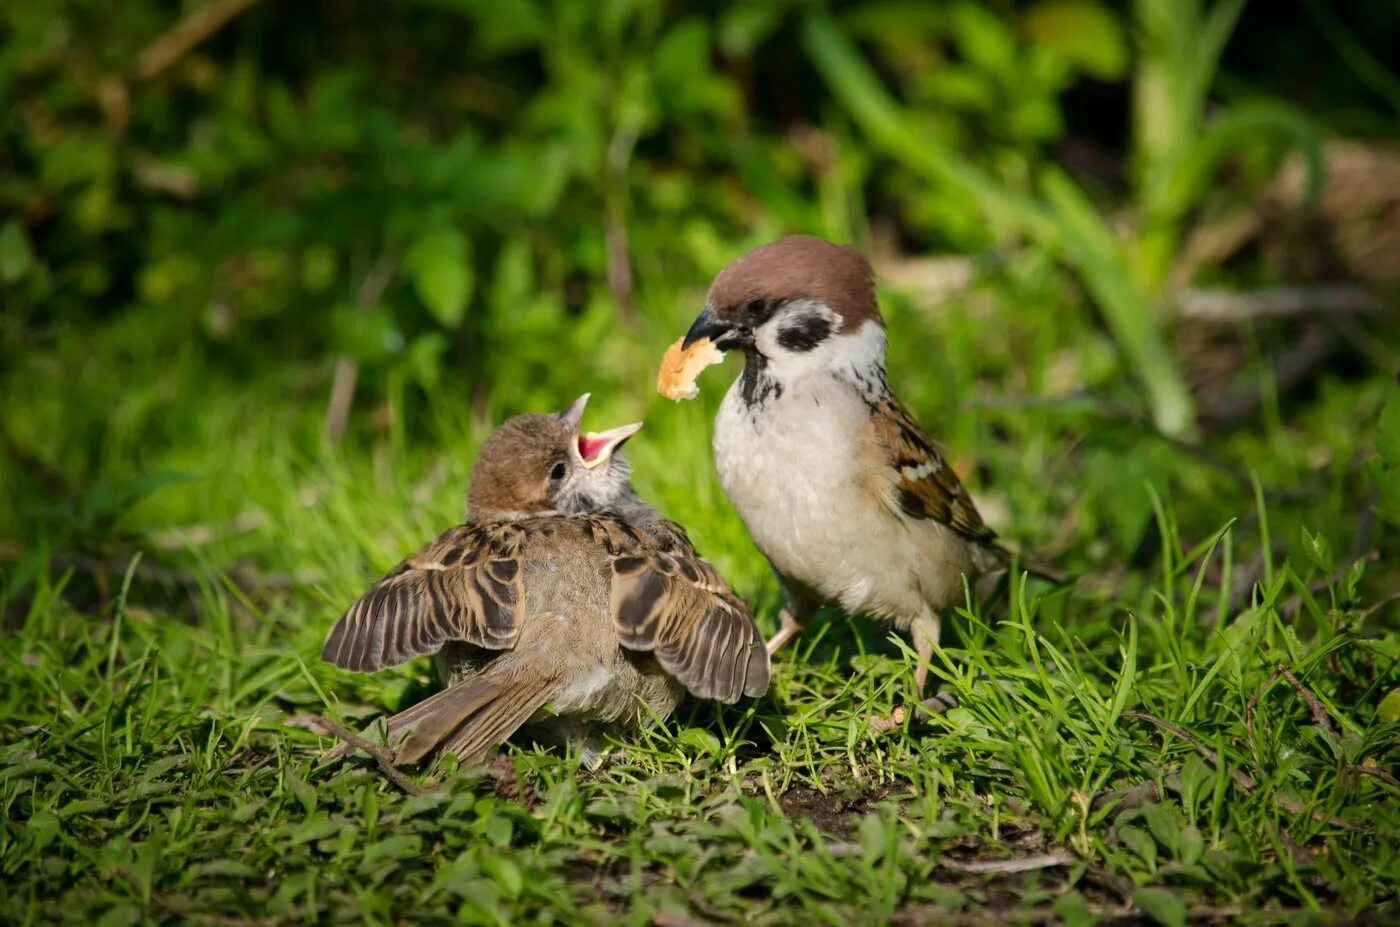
[[597, 447], [709, 325]]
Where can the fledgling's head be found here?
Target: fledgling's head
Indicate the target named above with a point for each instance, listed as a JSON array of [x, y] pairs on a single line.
[[796, 305], [541, 464]]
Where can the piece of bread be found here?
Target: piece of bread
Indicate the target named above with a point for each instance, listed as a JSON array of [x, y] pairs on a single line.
[[681, 366]]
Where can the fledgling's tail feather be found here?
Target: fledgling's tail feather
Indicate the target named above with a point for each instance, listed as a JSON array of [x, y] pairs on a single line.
[[480, 712], [495, 722]]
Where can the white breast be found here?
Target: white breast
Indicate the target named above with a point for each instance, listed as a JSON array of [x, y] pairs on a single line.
[[808, 493]]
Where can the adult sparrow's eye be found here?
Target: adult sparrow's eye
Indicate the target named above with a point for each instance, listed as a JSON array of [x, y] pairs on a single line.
[[557, 473]]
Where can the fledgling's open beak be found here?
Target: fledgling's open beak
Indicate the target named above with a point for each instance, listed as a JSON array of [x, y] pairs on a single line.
[[597, 447], [709, 325]]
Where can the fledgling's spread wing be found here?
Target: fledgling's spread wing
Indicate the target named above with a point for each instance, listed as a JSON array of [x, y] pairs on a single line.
[[669, 601], [464, 586]]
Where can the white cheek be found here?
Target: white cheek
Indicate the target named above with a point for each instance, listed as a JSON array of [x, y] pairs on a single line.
[[844, 352], [785, 364]]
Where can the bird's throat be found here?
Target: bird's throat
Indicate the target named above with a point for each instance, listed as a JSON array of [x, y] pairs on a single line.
[[757, 384]]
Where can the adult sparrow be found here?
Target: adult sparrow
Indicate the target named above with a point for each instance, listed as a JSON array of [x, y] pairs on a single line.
[[564, 602], [840, 488]]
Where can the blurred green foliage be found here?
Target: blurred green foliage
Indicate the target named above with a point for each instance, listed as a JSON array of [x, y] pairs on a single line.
[[486, 166], [513, 202], [270, 271]]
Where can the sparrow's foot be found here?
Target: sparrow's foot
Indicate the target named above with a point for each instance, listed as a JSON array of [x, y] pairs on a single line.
[[883, 725], [936, 704]]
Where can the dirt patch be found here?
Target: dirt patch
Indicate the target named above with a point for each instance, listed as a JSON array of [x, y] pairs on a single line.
[[830, 813]]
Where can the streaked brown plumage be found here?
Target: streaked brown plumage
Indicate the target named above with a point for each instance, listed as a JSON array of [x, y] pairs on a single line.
[[567, 591]]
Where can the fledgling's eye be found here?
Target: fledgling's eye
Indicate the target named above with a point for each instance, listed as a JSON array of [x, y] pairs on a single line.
[[557, 473]]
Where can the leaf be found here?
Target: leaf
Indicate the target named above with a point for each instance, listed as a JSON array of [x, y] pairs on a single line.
[[222, 869], [499, 831], [1162, 906], [1385, 468], [1072, 910], [399, 846], [1140, 842], [45, 826], [506, 874], [874, 838], [1318, 549], [438, 263], [1388, 433], [699, 740], [121, 914], [369, 335], [1389, 708], [301, 790], [1192, 844], [16, 256], [1090, 243], [113, 495], [423, 359], [417, 804], [1084, 32], [1162, 822], [318, 826], [743, 27]]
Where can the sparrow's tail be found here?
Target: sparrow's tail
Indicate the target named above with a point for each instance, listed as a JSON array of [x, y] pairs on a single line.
[[1042, 569], [468, 718], [1005, 558]]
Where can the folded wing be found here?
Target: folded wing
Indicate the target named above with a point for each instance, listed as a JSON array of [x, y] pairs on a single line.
[[924, 485]]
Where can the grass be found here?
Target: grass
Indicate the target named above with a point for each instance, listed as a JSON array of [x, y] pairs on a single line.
[[1129, 750]]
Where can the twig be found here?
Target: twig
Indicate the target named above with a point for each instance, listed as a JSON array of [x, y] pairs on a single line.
[[1113, 411], [1133, 796], [1214, 305], [1321, 720], [1242, 779], [175, 42], [381, 755], [619, 266], [992, 916], [347, 369], [1368, 767], [181, 537], [1290, 368], [1370, 610], [1319, 714], [1014, 864]]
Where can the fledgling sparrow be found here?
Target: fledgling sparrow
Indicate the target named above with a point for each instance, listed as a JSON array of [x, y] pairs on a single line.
[[564, 603], [840, 488]]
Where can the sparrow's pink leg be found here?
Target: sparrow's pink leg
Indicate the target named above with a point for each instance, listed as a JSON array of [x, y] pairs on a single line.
[[925, 633], [788, 630]]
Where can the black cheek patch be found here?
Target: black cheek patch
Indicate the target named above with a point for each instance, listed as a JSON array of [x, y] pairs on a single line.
[[804, 333]]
